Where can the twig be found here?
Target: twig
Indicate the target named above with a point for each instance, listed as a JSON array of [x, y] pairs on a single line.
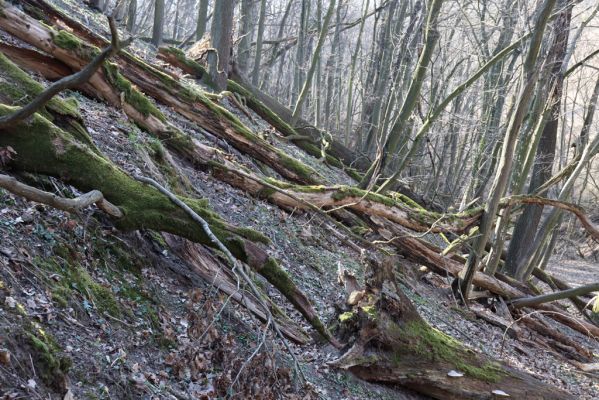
[[68, 82], [232, 260]]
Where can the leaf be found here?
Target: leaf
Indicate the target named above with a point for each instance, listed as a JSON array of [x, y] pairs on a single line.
[[10, 302], [500, 393], [596, 305], [6, 155], [455, 374], [4, 357]]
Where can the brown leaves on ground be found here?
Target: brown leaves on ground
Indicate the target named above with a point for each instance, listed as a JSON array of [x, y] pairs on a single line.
[[211, 359]]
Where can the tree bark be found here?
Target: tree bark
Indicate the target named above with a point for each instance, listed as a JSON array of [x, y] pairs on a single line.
[[221, 39], [158, 27], [202, 19], [546, 298], [505, 160], [109, 83], [528, 222]]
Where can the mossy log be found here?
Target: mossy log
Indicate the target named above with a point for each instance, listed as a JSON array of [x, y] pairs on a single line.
[[108, 84], [422, 253], [178, 59], [363, 202], [399, 209], [395, 346], [45, 148], [113, 81], [303, 128]]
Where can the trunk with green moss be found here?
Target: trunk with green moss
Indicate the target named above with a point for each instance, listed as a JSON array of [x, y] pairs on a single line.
[[111, 82], [394, 345], [45, 148]]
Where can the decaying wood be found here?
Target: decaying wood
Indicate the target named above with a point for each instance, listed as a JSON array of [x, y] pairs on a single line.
[[415, 250], [68, 82], [570, 348], [395, 346], [191, 104]]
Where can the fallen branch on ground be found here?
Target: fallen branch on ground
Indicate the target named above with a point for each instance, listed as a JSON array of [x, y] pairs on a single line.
[[68, 82], [546, 298], [70, 205], [236, 267]]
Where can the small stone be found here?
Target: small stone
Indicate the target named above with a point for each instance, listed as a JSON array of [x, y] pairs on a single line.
[[10, 302]]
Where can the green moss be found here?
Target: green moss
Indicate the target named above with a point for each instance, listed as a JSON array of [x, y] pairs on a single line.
[[406, 200], [305, 172], [132, 96], [253, 235], [18, 88], [432, 344], [60, 295], [46, 149], [355, 175], [51, 366], [198, 70], [370, 311], [347, 316], [66, 40], [278, 277], [343, 192], [281, 280], [74, 277]]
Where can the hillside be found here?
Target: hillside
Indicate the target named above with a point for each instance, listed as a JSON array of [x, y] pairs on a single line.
[[293, 291]]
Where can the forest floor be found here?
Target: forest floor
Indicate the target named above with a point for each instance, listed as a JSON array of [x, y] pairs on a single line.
[[120, 308]]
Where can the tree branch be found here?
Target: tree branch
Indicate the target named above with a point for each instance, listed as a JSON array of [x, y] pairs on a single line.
[[68, 82], [545, 298], [70, 205]]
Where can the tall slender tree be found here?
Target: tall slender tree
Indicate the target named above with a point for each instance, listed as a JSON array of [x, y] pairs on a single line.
[[504, 167], [306, 87], [158, 26], [221, 39]]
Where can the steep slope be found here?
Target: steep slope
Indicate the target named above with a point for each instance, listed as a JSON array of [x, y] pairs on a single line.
[[309, 250]]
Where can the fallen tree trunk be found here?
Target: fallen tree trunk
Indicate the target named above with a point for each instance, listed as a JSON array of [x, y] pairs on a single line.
[[44, 148], [415, 250], [178, 59], [111, 82], [214, 273], [395, 346], [546, 298], [303, 128], [304, 135], [556, 284], [370, 204]]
